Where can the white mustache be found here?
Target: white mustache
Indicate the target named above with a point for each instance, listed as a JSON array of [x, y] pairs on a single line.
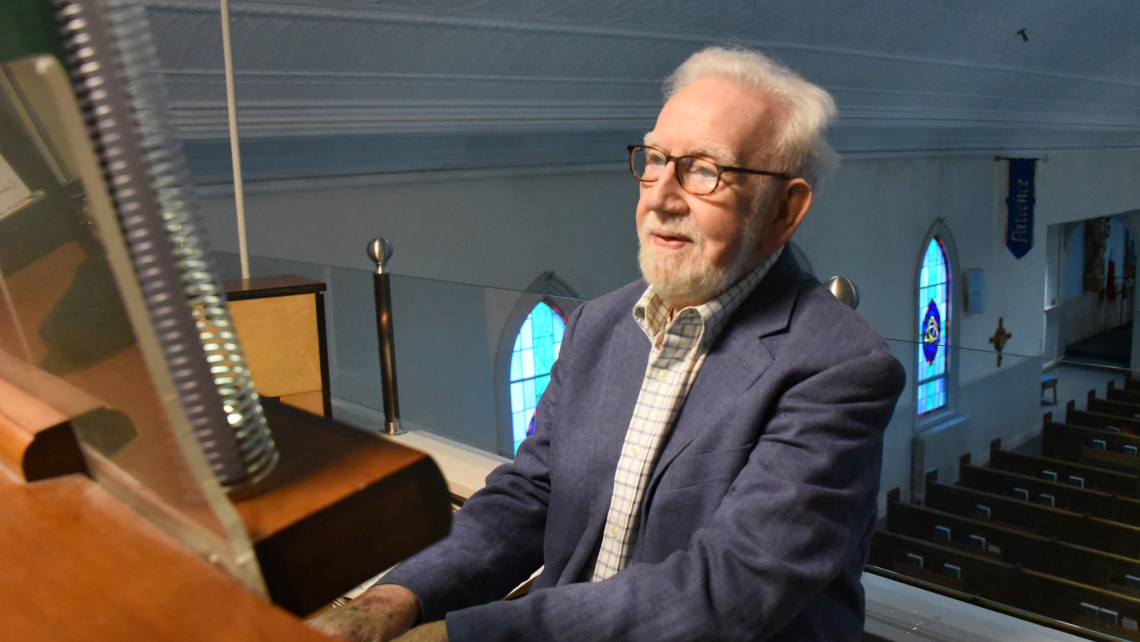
[[679, 227]]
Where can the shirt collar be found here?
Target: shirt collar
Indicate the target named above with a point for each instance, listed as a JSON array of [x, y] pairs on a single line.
[[652, 315]]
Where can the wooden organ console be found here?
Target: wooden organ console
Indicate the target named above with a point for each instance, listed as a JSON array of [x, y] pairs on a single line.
[[113, 523]]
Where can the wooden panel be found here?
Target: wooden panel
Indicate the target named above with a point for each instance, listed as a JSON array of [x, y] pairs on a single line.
[[341, 506], [79, 565], [280, 341]]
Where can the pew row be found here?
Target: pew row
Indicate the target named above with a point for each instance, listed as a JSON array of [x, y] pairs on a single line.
[[1105, 505], [1019, 587], [1056, 470]]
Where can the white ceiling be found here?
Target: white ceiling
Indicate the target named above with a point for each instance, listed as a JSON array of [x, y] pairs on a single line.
[[464, 83]]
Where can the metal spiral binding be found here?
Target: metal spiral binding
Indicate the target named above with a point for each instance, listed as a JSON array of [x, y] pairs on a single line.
[[113, 60]]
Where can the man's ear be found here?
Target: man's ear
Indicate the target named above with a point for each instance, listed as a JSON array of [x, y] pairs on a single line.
[[793, 202]]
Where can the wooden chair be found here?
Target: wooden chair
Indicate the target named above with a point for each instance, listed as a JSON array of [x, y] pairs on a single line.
[[1049, 382]]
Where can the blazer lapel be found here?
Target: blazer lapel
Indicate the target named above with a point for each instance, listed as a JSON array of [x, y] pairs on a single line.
[[737, 359], [628, 353]]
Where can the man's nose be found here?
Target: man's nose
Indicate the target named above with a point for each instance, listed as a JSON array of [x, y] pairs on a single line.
[[666, 194]]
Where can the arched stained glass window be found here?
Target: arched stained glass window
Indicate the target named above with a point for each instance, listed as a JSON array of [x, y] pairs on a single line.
[[934, 327], [536, 348]]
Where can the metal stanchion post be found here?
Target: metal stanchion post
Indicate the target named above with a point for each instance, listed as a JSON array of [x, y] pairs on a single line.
[[380, 250], [844, 289]]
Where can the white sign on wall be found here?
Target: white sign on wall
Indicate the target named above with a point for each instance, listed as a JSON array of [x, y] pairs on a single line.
[[13, 192]]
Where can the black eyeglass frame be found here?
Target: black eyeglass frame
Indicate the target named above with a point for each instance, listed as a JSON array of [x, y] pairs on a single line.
[[720, 169]]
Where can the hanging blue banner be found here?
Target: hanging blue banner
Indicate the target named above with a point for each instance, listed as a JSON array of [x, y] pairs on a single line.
[[1019, 205]]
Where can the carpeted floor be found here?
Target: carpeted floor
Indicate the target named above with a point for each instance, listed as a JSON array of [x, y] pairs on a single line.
[[1110, 348]]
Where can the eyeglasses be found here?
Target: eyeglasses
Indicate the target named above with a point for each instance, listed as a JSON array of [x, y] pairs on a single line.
[[698, 176]]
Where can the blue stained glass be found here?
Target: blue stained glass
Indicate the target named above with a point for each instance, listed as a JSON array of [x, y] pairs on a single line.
[[540, 322], [931, 396], [529, 398], [934, 327], [543, 356], [535, 350]]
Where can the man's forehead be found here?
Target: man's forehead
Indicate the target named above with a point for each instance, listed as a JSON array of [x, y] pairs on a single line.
[[721, 155]]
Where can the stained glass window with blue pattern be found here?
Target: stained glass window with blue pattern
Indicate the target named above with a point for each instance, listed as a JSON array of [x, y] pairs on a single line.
[[536, 348], [933, 327]]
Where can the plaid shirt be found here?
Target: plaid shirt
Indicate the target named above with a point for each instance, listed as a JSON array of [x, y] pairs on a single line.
[[679, 347]]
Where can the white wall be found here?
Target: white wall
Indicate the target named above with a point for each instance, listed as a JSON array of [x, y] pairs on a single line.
[[868, 223], [496, 231]]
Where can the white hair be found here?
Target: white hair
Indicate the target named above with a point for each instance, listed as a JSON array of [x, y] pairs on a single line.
[[805, 109]]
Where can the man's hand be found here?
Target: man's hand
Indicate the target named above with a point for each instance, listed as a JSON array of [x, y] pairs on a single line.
[[434, 632], [379, 614]]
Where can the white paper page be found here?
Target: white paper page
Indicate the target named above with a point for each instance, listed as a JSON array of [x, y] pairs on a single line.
[[12, 189]]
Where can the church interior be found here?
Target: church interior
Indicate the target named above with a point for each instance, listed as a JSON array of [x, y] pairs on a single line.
[[485, 140]]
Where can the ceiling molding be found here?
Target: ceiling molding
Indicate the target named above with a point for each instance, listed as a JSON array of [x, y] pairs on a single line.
[[301, 118], [483, 24], [304, 118], [506, 85]]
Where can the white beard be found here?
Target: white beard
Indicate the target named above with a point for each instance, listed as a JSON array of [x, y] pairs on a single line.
[[685, 274]]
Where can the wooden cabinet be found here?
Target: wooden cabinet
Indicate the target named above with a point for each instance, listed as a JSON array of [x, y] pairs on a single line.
[[280, 321]]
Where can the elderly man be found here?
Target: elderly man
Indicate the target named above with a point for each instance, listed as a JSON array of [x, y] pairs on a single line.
[[705, 461]]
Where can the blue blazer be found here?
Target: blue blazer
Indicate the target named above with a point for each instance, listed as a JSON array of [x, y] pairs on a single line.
[[756, 522]]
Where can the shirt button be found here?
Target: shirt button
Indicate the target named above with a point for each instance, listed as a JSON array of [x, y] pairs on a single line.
[[634, 451], [614, 532], [662, 375]]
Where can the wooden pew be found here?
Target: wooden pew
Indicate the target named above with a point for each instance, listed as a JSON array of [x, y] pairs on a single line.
[[1090, 446], [990, 538], [1060, 471], [1122, 395], [1110, 407], [1015, 586], [1130, 383], [1111, 423], [1106, 505], [971, 573], [1084, 530]]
